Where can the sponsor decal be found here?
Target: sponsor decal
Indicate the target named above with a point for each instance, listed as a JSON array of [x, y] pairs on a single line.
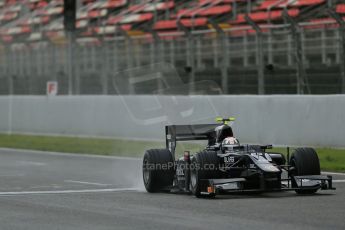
[[229, 159]]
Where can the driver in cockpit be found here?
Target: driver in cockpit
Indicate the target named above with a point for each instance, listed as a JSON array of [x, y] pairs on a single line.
[[230, 141]]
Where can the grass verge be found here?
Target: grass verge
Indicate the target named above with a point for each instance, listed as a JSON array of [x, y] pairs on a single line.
[[330, 159]]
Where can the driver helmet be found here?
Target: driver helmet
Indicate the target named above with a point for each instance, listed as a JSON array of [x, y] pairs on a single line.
[[231, 141]]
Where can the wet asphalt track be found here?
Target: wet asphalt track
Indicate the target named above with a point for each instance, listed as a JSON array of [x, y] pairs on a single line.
[[61, 191]]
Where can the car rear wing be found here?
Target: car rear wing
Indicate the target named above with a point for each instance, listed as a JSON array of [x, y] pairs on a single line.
[[175, 133]]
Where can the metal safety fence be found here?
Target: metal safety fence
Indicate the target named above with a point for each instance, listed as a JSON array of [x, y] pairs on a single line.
[[272, 59]]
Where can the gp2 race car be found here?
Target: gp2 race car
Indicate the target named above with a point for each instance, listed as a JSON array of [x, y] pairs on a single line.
[[226, 166]]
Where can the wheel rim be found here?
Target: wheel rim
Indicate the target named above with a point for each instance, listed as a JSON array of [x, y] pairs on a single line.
[[146, 172]]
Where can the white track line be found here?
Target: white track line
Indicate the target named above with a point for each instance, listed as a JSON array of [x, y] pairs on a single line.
[[23, 151], [338, 181], [85, 182], [67, 191], [30, 163]]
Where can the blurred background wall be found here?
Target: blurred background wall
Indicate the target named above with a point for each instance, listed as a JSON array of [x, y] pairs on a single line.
[[281, 120]]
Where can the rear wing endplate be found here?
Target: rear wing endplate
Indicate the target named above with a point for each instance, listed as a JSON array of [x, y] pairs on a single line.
[[174, 133]]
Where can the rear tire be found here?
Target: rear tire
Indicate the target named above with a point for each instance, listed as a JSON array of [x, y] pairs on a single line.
[[158, 169], [205, 165], [306, 162]]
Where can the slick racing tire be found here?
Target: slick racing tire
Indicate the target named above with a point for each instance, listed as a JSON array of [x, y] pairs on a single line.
[[306, 162], [158, 170], [204, 165]]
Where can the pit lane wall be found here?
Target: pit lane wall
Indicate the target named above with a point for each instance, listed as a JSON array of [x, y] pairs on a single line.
[[279, 120]]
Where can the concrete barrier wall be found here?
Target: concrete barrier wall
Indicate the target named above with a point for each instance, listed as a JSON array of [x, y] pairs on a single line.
[[280, 120]]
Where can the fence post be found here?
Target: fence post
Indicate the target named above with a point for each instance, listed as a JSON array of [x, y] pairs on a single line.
[[341, 23], [10, 76], [161, 50], [270, 47], [191, 59], [10, 84], [323, 46], [198, 51], [77, 71], [245, 50], [129, 50], [70, 61], [12, 73], [105, 67], [153, 49], [129, 57], [152, 52], [115, 54], [289, 53], [10, 104], [225, 60], [302, 81], [172, 52], [7, 70], [259, 55], [215, 52]]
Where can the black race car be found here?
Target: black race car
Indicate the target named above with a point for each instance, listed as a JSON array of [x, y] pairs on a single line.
[[226, 166]]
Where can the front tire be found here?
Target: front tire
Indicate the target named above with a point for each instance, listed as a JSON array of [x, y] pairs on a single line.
[[158, 170], [306, 162], [205, 165]]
